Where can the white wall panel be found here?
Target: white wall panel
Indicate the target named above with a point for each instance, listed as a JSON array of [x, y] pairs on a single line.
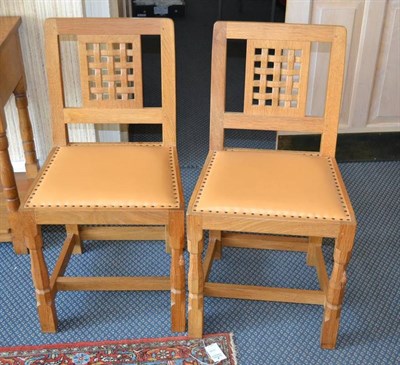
[[371, 95], [385, 106], [33, 13], [348, 14]]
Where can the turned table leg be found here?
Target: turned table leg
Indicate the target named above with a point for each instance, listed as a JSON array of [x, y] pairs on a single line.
[[31, 163], [10, 191]]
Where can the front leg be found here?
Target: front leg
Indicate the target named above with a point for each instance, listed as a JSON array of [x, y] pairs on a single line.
[[175, 238], [44, 294], [196, 276], [337, 283]]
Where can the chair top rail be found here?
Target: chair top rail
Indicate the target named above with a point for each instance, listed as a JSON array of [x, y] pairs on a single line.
[[109, 26], [293, 32]]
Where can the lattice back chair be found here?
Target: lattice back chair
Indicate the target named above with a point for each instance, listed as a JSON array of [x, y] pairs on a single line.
[[294, 198], [133, 190]]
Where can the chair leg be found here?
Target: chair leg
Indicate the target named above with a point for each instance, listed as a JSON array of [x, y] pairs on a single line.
[[337, 283], [74, 229], [175, 240], [14, 219], [167, 239], [313, 242], [196, 276], [44, 295], [216, 236], [10, 191]]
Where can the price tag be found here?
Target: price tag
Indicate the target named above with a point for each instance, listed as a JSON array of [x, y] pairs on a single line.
[[215, 352]]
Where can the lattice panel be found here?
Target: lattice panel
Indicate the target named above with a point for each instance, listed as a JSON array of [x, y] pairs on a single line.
[[276, 77], [111, 71]]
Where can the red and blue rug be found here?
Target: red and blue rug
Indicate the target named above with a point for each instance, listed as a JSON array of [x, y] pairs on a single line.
[[158, 351]]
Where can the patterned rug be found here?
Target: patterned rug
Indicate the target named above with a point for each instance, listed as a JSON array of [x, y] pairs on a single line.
[[158, 351]]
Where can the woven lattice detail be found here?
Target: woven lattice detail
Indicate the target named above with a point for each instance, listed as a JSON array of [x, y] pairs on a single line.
[[111, 71], [276, 76]]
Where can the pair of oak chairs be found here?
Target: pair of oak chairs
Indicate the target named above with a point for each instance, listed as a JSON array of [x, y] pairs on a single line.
[[246, 198]]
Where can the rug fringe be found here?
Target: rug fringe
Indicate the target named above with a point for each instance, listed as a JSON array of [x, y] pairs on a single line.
[[233, 348]]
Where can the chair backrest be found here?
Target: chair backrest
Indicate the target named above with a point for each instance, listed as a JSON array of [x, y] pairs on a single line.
[[110, 67], [276, 80]]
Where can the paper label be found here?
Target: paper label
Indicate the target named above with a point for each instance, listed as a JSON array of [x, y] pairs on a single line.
[[215, 352]]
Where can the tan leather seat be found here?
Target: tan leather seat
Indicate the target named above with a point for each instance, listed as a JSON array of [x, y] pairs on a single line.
[[129, 176], [266, 183]]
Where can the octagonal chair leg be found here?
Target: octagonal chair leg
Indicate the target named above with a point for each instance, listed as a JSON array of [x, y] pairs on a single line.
[[337, 283], [44, 295], [175, 238], [196, 276]]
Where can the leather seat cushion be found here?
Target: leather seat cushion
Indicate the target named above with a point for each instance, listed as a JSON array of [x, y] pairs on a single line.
[[107, 176], [271, 183]]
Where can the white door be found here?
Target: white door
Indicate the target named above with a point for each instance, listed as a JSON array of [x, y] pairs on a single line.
[[371, 97]]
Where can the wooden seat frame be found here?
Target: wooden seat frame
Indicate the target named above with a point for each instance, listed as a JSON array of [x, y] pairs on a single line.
[[144, 223], [228, 230]]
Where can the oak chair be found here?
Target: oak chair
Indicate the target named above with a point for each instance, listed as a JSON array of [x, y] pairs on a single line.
[[132, 190], [272, 199]]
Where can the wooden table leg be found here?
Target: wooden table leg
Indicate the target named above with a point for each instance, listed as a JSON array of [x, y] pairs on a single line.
[[337, 283], [10, 191], [196, 276], [31, 162]]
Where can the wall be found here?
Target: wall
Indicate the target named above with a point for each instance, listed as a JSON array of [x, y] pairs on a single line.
[[371, 96], [33, 13]]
